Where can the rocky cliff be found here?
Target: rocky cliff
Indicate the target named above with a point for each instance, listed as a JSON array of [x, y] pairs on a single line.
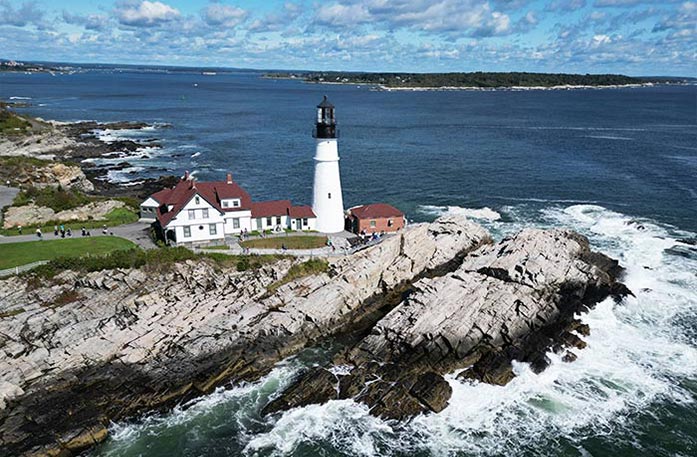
[[509, 301], [79, 351]]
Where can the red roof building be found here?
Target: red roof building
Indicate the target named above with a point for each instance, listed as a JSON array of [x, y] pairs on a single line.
[[196, 212], [376, 217]]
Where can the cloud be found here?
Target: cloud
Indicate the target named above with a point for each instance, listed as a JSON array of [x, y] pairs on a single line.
[[565, 5], [223, 15], [338, 14], [145, 13], [274, 22], [90, 22], [451, 17], [28, 13], [629, 3]]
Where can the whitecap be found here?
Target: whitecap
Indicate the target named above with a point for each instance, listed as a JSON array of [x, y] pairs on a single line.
[[20, 98], [485, 213], [609, 137]]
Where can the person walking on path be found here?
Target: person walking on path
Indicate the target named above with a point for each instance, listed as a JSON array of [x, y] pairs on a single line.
[[39, 234]]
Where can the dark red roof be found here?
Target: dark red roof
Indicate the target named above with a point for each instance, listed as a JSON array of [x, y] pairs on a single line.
[[270, 208], [212, 192], [301, 211], [376, 211]]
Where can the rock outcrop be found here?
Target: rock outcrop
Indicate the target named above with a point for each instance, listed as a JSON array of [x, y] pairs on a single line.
[[82, 350], [509, 301], [32, 214]]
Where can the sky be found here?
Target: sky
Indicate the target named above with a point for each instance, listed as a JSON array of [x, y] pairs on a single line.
[[633, 37]]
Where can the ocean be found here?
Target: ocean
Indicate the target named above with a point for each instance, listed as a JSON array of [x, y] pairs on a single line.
[[617, 165]]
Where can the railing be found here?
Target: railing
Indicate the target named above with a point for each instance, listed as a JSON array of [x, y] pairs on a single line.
[[20, 269]]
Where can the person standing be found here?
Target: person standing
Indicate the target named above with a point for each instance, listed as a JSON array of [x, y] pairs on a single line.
[[39, 234]]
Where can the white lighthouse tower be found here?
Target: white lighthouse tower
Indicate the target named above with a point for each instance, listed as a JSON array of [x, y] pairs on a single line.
[[327, 202]]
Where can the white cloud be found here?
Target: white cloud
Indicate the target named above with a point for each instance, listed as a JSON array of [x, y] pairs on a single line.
[[338, 14], [145, 13], [224, 15]]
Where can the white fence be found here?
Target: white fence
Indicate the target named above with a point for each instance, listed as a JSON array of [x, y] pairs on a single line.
[[20, 269]]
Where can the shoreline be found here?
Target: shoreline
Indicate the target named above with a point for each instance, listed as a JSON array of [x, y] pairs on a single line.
[[93, 147], [383, 88]]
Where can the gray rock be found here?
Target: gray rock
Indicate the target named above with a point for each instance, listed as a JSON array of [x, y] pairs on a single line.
[[132, 340], [511, 300]]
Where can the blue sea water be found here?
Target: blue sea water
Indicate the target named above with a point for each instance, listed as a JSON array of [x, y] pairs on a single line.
[[618, 165]]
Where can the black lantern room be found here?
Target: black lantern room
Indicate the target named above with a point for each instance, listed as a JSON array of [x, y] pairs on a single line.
[[326, 122]]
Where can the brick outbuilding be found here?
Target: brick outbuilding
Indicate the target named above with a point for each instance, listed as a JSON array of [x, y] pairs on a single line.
[[376, 217]]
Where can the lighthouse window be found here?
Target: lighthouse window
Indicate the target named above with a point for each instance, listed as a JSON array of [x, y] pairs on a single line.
[[329, 195]]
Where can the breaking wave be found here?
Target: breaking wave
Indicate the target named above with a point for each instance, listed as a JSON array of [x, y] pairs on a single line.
[[472, 213], [640, 354]]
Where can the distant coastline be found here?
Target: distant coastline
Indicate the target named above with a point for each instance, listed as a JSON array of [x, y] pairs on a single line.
[[478, 81]]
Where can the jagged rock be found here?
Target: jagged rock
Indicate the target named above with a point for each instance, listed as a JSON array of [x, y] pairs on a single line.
[[138, 339], [508, 301], [32, 214]]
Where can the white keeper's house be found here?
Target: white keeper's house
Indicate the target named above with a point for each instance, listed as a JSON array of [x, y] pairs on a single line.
[[206, 212], [195, 212]]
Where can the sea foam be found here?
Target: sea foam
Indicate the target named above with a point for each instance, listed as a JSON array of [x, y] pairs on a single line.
[[638, 355], [472, 213]]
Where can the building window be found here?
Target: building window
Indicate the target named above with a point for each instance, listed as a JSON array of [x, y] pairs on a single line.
[[187, 231], [224, 203], [329, 195], [304, 222], [372, 223], [212, 229], [204, 213], [236, 223], [278, 220], [192, 214], [269, 222], [198, 200], [235, 203], [390, 223]]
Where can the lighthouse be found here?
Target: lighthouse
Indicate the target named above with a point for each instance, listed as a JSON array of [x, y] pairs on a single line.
[[327, 202]]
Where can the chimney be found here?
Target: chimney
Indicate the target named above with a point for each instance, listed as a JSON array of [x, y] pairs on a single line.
[[229, 178], [186, 175]]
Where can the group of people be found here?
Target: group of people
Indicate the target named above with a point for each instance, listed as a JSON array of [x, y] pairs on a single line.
[[365, 237], [244, 234], [63, 231]]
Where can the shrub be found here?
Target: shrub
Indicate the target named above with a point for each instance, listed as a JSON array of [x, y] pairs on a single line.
[[300, 270]]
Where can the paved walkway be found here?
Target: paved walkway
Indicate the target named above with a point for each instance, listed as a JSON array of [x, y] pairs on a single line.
[[136, 232], [7, 195]]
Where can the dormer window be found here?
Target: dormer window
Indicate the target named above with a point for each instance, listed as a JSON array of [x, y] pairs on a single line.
[[235, 203]]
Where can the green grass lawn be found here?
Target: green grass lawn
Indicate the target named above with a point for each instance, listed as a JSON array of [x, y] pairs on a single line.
[[16, 254], [290, 242]]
